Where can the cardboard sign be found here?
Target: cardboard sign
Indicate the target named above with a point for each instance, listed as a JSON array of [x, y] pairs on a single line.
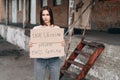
[[47, 43]]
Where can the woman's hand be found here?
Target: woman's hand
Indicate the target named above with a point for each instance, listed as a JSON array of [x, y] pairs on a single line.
[[30, 44]]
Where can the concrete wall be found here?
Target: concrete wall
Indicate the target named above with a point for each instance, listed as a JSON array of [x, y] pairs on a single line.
[[15, 36]]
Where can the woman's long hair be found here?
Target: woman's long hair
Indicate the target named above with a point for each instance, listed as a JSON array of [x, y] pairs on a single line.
[[50, 13]]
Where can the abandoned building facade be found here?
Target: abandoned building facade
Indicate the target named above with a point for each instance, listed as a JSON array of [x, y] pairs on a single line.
[[17, 17]]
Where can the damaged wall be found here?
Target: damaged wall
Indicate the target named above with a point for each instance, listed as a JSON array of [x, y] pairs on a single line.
[[105, 15], [84, 19], [76, 15], [15, 36]]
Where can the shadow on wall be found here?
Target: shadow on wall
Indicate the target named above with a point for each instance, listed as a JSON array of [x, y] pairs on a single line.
[[114, 30]]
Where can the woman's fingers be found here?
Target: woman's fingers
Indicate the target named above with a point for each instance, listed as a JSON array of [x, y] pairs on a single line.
[[30, 44]]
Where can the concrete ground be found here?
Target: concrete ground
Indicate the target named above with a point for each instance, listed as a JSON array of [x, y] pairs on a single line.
[[15, 63]]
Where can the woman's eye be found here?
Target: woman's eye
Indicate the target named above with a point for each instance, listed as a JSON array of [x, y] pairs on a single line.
[[47, 14], [43, 14]]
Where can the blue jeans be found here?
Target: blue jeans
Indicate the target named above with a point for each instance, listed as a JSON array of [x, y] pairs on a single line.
[[52, 64]]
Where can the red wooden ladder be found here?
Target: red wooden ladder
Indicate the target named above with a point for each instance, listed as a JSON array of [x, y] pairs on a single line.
[[65, 74]]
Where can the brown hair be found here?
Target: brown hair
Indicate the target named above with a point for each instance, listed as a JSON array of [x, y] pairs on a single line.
[[50, 13]]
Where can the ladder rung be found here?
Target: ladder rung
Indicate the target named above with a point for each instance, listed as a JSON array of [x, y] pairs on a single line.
[[93, 44], [84, 68], [76, 63], [87, 55], [69, 74]]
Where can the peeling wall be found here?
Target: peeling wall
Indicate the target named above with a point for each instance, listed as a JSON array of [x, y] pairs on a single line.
[[83, 21], [15, 36]]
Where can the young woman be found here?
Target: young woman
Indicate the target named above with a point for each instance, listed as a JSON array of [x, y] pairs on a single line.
[[52, 64]]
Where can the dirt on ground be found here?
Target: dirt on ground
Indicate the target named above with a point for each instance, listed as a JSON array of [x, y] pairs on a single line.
[[15, 63]]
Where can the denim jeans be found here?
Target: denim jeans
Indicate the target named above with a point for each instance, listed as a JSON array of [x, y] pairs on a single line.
[[52, 64]]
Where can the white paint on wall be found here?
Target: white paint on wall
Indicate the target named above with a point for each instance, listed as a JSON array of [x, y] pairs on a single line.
[[16, 36], [3, 30], [86, 15], [82, 19], [33, 12], [14, 11]]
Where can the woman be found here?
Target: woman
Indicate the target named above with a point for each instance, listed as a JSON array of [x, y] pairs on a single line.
[[52, 64]]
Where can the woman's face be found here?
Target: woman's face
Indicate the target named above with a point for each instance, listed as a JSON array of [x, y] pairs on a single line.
[[46, 17]]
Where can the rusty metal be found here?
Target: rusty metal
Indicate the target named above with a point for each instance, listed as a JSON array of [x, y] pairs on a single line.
[[91, 60]]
